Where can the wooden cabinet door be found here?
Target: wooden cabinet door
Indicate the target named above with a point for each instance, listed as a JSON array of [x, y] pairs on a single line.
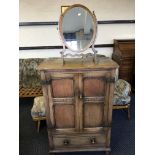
[[78, 101], [95, 99], [62, 93]]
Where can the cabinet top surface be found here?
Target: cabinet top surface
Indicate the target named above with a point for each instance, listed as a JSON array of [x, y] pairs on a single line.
[[76, 63]]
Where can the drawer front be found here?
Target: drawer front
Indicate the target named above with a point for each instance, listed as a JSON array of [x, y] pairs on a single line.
[[126, 67], [75, 141]]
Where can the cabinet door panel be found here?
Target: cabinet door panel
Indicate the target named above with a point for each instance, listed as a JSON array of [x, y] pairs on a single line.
[[63, 98], [93, 114], [94, 90], [93, 87], [64, 116], [62, 87]]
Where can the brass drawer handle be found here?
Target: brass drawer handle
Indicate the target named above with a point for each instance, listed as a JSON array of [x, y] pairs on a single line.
[[93, 140], [66, 142]]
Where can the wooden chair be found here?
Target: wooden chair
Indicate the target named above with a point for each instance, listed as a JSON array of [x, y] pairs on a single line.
[[127, 107], [29, 78], [38, 111], [122, 96], [38, 120]]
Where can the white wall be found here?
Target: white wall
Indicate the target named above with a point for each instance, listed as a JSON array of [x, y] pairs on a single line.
[[49, 10]]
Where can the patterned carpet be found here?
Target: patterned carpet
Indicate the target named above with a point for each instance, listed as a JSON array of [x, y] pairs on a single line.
[[32, 143]]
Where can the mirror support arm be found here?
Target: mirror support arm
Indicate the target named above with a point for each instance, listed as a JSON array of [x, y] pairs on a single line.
[[62, 54], [95, 52]]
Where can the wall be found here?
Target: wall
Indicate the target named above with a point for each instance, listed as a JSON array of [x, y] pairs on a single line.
[[49, 10]]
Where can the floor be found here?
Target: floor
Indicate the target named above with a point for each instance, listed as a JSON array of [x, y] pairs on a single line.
[[33, 143]]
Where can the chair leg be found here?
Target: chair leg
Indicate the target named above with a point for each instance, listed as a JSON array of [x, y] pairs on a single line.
[[129, 115], [38, 126]]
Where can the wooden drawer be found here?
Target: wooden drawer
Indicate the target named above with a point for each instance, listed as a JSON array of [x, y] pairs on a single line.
[[126, 69], [78, 141]]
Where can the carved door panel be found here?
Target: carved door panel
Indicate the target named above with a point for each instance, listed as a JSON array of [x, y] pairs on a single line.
[[95, 107], [62, 91]]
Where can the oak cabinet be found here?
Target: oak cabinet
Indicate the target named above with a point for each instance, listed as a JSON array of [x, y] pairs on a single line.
[[78, 100]]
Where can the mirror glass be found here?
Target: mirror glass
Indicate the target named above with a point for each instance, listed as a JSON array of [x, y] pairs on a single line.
[[77, 28]]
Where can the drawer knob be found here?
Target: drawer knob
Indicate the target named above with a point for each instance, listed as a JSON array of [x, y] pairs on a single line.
[[93, 140], [66, 142]]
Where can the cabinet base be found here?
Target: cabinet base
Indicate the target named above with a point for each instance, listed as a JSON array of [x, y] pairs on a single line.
[[107, 150]]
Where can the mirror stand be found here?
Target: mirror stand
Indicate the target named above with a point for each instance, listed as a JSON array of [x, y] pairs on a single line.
[[78, 30], [79, 55]]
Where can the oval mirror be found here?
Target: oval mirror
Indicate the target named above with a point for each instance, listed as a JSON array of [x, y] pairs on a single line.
[[77, 27]]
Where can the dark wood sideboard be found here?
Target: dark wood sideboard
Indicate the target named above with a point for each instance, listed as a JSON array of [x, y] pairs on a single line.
[[78, 101], [124, 55]]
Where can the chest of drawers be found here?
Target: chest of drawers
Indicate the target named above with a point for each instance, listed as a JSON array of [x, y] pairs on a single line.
[[124, 55]]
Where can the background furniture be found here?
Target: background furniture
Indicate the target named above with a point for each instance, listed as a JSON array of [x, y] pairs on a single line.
[[29, 78], [122, 98], [78, 102], [124, 55], [38, 110]]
